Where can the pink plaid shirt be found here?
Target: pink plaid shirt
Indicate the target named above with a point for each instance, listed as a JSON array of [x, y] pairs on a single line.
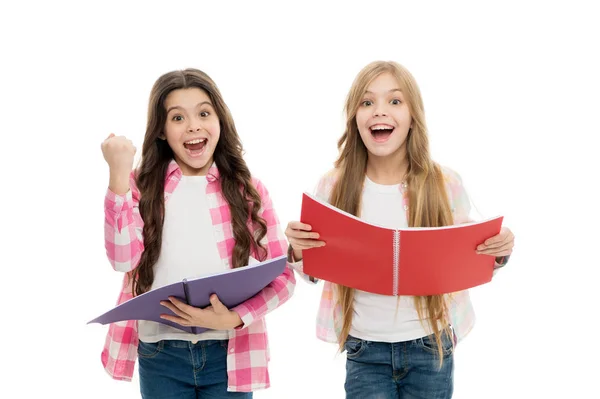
[[462, 315], [248, 351]]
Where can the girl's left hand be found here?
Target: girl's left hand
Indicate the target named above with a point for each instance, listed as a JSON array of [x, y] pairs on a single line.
[[216, 316], [499, 245]]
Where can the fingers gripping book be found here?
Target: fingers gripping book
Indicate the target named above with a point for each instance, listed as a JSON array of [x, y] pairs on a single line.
[[232, 287]]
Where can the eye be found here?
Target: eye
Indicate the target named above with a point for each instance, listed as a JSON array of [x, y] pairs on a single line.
[[395, 101], [204, 114], [367, 103], [177, 118]]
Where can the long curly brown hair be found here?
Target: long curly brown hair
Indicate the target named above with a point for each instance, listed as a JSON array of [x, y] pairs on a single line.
[[234, 177]]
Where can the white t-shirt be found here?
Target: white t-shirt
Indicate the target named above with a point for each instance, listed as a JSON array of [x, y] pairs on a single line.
[[189, 250], [380, 317]]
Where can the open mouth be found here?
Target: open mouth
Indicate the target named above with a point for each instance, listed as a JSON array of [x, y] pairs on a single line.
[[196, 146], [381, 132]]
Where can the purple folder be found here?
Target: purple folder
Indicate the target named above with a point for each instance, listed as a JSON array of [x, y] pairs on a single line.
[[233, 287]]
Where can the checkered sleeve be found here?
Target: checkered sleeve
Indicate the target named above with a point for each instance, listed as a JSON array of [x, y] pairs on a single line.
[[460, 203], [123, 227]]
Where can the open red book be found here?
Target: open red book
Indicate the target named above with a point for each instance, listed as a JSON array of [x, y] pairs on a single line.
[[409, 261]]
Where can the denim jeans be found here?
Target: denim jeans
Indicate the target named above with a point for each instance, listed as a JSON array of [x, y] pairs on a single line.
[[182, 370], [407, 370]]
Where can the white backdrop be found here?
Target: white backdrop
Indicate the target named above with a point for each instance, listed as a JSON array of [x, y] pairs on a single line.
[[511, 99]]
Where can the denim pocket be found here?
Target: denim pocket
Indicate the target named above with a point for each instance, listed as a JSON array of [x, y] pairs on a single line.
[[354, 347], [150, 349], [428, 343]]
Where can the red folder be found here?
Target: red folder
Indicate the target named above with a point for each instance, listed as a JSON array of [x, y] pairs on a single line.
[[409, 261]]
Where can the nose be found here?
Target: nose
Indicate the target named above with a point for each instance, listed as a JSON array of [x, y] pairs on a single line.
[[379, 110], [193, 127]]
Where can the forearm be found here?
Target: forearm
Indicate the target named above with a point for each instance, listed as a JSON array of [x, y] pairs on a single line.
[[298, 265], [268, 299], [122, 231], [119, 182]]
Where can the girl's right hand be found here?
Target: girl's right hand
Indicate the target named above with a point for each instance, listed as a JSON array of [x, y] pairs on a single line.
[[301, 237], [118, 153]]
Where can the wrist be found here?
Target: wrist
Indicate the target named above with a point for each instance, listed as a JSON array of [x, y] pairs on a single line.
[[119, 182], [236, 320], [297, 255], [294, 255]]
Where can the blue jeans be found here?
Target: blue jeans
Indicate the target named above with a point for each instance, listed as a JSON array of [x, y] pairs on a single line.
[[407, 370], [182, 370]]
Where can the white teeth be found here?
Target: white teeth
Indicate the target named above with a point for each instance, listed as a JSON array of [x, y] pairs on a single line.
[[381, 127], [197, 141]]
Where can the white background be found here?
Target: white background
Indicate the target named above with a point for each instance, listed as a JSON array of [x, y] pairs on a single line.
[[511, 99]]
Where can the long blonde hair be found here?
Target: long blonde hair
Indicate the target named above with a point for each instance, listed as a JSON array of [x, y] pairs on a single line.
[[428, 201]]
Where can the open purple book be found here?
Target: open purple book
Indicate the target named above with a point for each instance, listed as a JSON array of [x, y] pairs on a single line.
[[233, 287]]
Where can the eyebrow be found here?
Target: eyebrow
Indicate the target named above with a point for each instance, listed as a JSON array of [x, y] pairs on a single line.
[[197, 105], [389, 91]]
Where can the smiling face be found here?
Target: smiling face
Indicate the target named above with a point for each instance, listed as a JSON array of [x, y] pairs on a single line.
[[383, 118], [192, 129]]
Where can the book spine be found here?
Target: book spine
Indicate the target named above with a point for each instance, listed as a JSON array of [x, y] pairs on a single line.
[[396, 261], [187, 299]]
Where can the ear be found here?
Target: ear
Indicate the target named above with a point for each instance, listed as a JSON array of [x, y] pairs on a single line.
[[162, 136]]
